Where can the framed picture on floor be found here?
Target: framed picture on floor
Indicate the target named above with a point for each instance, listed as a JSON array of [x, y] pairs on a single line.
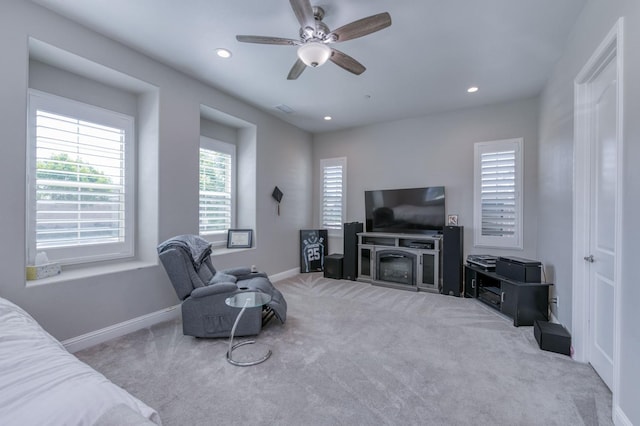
[[313, 248], [239, 238]]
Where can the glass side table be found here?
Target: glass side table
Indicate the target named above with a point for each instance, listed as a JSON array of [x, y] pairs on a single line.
[[244, 300]]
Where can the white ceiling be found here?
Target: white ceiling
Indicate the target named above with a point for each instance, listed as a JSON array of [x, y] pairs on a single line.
[[420, 65]]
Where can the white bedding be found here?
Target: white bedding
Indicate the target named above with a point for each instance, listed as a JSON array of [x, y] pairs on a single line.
[[43, 384]]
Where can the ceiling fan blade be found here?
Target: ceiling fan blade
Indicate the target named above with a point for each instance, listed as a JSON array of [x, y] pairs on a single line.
[[347, 62], [266, 40], [363, 26], [304, 13], [296, 70]]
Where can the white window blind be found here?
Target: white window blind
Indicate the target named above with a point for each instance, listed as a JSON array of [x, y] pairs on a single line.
[[79, 189], [498, 188], [333, 193], [498, 195], [217, 168]]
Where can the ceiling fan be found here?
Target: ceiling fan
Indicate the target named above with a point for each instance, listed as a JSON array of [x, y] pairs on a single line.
[[315, 36]]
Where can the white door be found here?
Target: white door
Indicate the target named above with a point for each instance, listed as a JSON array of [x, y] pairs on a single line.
[[602, 220]]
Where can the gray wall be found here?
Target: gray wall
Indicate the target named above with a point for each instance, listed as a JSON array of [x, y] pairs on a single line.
[[432, 151], [170, 140], [218, 131], [63, 83], [556, 176]]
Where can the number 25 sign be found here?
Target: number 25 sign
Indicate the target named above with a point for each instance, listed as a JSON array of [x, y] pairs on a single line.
[[313, 249]]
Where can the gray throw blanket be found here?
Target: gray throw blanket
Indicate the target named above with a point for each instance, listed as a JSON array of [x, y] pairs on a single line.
[[277, 303], [198, 248]]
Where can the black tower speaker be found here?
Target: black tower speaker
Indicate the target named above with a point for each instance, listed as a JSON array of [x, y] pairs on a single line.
[[350, 260], [452, 258]]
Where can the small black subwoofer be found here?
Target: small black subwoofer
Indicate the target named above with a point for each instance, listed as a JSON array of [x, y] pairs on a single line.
[[333, 266], [552, 337]]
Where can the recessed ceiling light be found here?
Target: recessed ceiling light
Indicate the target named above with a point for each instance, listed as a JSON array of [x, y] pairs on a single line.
[[327, 117], [223, 53], [472, 89]]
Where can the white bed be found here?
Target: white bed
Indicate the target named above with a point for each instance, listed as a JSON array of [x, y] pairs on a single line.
[[41, 383]]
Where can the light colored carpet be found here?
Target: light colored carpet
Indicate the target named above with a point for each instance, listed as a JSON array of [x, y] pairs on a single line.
[[355, 354]]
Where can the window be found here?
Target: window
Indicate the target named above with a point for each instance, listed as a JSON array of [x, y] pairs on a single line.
[[333, 194], [80, 192], [498, 194], [217, 188]]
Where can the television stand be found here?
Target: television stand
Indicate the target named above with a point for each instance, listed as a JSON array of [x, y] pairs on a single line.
[[525, 302], [403, 261]]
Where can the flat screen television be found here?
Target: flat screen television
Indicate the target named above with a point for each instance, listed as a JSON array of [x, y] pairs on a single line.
[[405, 211]]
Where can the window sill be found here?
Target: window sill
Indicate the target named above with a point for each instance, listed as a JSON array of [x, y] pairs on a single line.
[[221, 251], [92, 271]]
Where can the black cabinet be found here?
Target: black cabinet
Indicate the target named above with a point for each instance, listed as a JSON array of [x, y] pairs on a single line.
[[509, 301], [473, 280], [478, 284], [525, 302]]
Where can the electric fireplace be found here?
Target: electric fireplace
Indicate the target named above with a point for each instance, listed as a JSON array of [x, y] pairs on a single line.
[[396, 266]]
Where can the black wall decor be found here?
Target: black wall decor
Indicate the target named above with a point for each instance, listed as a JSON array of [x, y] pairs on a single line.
[[313, 249], [277, 195]]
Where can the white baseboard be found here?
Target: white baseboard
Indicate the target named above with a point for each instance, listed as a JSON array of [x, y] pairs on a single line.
[[619, 418], [284, 275], [93, 338]]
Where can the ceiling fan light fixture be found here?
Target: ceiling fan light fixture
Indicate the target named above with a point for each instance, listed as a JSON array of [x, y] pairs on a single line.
[[314, 53]]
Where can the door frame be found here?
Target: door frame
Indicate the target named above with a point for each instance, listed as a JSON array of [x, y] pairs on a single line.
[[611, 48]]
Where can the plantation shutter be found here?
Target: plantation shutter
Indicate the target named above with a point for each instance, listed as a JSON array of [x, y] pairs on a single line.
[[498, 187], [216, 174], [498, 197], [80, 182], [333, 193]]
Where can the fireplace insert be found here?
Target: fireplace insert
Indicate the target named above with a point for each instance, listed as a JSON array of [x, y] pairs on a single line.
[[396, 266]]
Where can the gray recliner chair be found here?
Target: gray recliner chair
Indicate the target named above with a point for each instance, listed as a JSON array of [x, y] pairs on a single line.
[[203, 290]]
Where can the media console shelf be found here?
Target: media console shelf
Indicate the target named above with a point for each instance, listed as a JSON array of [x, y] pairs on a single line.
[[405, 261], [525, 302]]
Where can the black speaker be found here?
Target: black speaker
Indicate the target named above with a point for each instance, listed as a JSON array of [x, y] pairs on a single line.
[[350, 261], [333, 266], [452, 259], [552, 337]]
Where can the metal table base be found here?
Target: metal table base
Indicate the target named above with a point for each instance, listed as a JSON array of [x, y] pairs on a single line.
[[237, 345]]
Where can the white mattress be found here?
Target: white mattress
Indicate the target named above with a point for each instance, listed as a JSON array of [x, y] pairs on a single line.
[[41, 383]]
